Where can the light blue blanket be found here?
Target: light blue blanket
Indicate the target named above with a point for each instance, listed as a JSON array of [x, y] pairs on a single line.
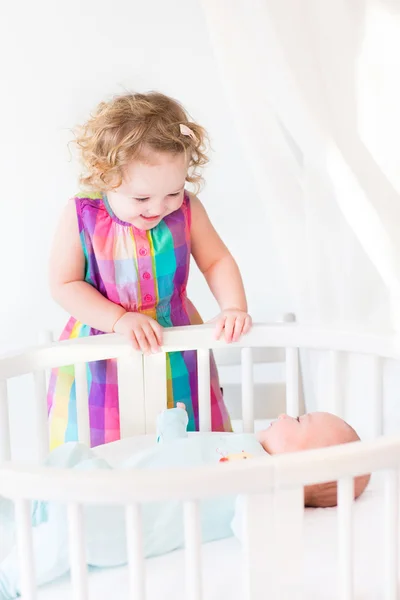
[[105, 526]]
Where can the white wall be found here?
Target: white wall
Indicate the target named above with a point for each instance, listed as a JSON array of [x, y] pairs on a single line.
[[62, 59]]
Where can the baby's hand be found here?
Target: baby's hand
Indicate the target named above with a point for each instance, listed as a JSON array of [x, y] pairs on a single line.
[[234, 323], [144, 333]]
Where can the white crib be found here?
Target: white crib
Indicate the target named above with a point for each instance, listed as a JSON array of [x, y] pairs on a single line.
[[272, 549]]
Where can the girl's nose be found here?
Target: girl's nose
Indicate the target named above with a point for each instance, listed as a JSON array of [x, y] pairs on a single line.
[[156, 207]]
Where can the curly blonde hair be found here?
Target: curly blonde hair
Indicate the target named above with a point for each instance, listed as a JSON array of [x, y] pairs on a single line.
[[122, 129]]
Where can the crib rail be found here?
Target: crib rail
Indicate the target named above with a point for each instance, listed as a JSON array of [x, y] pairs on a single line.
[[255, 477], [200, 337], [273, 506], [143, 373], [108, 487]]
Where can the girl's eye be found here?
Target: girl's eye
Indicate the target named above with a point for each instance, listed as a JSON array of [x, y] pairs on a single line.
[[176, 194], [141, 199]]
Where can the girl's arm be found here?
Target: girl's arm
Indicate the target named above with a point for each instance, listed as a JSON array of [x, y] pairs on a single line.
[[67, 273], [83, 301], [221, 273]]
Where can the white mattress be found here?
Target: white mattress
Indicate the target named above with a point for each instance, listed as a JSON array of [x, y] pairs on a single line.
[[222, 560]]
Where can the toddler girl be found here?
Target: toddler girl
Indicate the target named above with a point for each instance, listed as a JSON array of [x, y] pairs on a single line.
[[120, 260]]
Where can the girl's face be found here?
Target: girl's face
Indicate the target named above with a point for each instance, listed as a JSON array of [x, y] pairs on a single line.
[[152, 188]]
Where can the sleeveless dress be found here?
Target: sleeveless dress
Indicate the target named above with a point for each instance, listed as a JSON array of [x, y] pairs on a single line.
[[142, 271]]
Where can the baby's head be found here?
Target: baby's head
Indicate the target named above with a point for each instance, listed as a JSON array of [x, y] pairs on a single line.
[[141, 149], [312, 430]]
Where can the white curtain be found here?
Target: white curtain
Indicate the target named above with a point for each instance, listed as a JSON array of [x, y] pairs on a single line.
[[313, 86]]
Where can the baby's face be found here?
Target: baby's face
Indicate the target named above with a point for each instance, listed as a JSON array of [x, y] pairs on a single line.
[[313, 430]]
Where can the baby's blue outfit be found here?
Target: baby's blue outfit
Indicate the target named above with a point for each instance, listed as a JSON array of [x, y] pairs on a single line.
[[163, 529]]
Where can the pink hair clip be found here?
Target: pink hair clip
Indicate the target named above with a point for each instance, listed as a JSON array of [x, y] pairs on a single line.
[[185, 130]]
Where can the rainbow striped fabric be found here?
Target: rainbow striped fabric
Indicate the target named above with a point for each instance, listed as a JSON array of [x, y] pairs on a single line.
[[144, 271]]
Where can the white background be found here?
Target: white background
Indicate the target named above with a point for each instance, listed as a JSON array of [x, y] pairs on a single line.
[[58, 61]]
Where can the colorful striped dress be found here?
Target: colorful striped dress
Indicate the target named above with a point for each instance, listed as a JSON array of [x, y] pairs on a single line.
[[143, 271]]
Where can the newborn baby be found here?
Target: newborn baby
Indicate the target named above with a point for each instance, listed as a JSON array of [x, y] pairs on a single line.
[[162, 521], [312, 430]]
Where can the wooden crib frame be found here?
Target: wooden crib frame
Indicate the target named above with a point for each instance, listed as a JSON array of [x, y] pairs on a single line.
[[272, 487]]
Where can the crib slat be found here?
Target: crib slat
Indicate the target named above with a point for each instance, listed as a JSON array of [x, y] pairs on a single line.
[[292, 382], [203, 375], [289, 550], [41, 382], [337, 399], [377, 395], [155, 388], [45, 337], [391, 535], [193, 551], [132, 414], [134, 537], [39, 378], [77, 553], [345, 542], [247, 390], [25, 549], [258, 552], [82, 403], [5, 442]]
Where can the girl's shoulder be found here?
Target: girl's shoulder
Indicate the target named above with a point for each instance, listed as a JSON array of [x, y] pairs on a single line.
[[90, 198], [88, 202]]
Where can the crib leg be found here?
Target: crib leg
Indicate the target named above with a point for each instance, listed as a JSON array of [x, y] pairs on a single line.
[[258, 551], [288, 542]]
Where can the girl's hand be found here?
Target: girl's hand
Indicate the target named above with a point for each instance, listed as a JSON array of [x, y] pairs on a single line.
[[234, 323], [144, 333]]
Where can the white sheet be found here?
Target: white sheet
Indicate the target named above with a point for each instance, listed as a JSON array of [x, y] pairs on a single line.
[[222, 560]]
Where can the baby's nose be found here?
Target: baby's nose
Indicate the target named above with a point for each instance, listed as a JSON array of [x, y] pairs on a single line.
[[283, 416]]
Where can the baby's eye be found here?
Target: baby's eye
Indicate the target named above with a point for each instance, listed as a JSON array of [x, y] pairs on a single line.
[[298, 419]]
